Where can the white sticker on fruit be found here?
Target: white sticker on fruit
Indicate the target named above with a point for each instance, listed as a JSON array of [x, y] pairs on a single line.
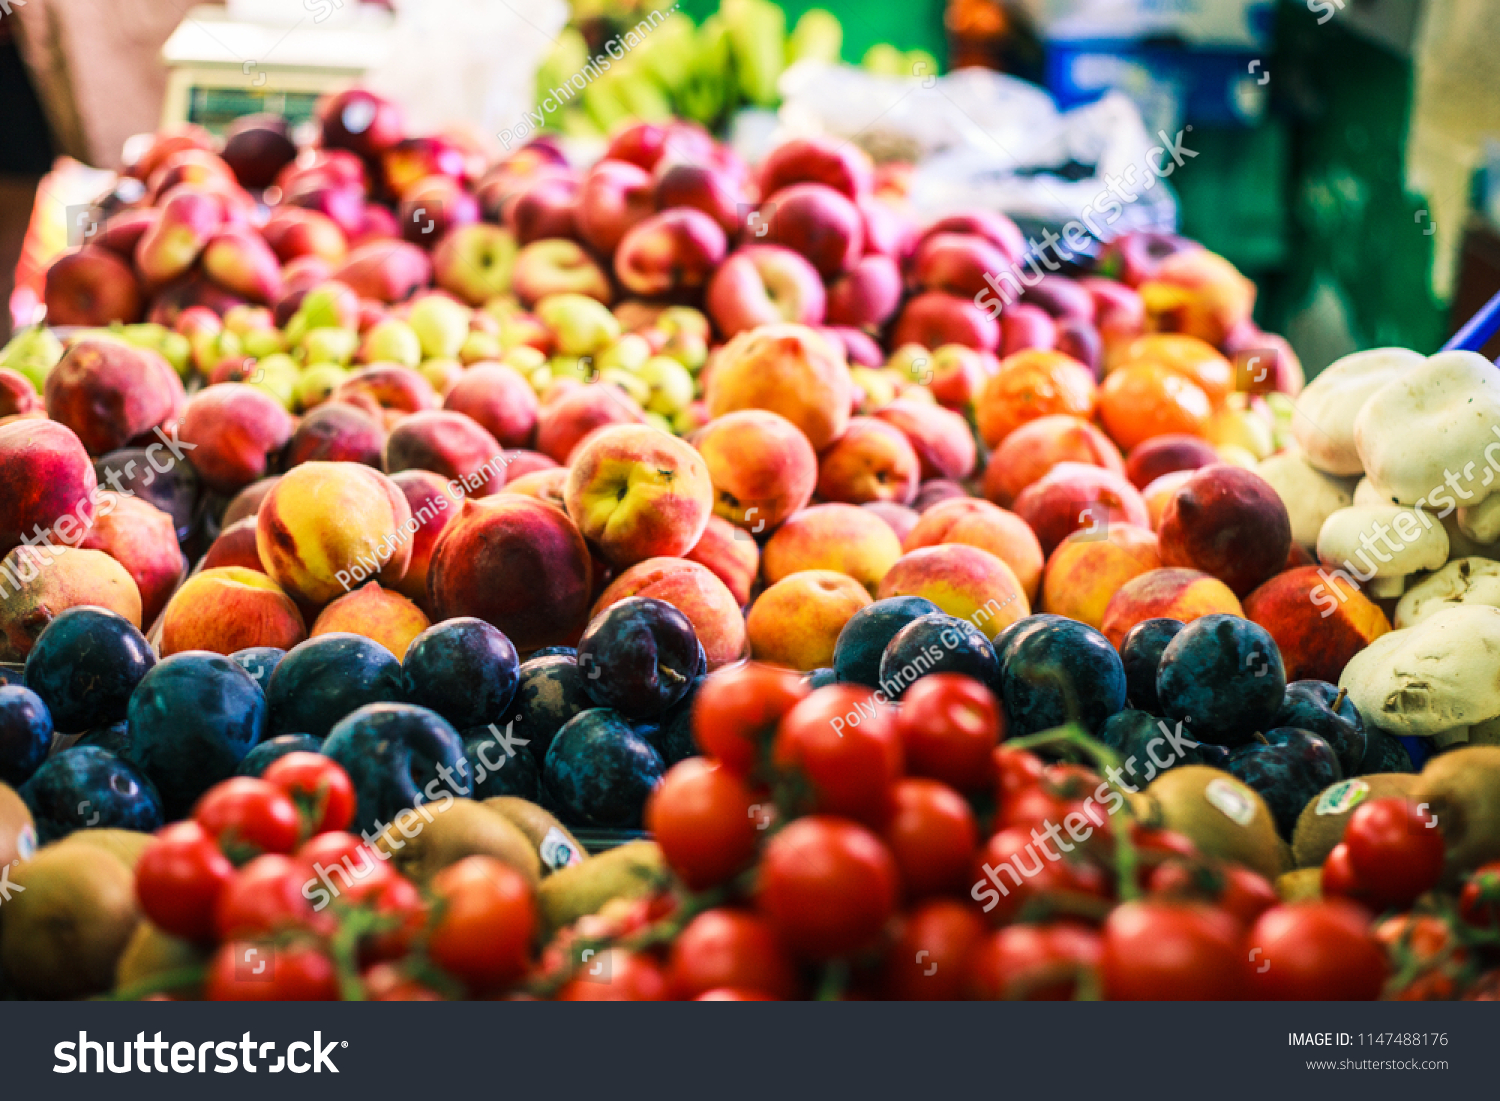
[[557, 851], [26, 843], [1230, 800], [1342, 797]]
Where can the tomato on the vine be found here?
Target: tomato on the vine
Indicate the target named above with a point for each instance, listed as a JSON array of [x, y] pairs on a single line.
[[1479, 902], [932, 835], [1338, 879], [266, 896], [616, 975], [727, 948], [320, 788], [1038, 963], [736, 711], [386, 982], [1159, 949], [486, 917], [827, 886], [248, 816], [928, 959], [1314, 951], [1424, 954], [1395, 851], [1015, 771], [247, 971], [949, 726], [1014, 869], [707, 821], [1233, 887], [842, 742], [179, 878]]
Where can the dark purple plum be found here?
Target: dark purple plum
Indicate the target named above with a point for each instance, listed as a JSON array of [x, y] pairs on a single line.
[[936, 643], [464, 669], [639, 656], [90, 788], [25, 734], [259, 661], [193, 719], [397, 755], [1061, 671], [1287, 770], [1327, 711], [498, 766], [85, 665], [1140, 653], [601, 770], [862, 642], [274, 749], [550, 691], [1222, 675], [1384, 753], [821, 678], [325, 678], [1148, 746]]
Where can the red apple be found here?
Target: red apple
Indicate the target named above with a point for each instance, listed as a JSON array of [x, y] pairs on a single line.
[[819, 222], [614, 196], [762, 284], [669, 252]]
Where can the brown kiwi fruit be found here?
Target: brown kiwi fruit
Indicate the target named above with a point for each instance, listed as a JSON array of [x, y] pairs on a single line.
[[126, 844], [1321, 824], [17, 830], [151, 955], [1303, 885], [66, 925], [1462, 790], [633, 870], [555, 846], [458, 828], [1219, 814]]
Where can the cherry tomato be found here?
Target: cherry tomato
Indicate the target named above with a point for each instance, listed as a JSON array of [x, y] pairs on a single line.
[[616, 975], [266, 896], [949, 726], [486, 919], [1338, 879], [179, 878], [827, 886], [707, 821], [1479, 902], [1233, 887], [1395, 851], [247, 817], [385, 982], [932, 835], [1015, 771], [1037, 963], [842, 741], [245, 971], [1013, 869], [1314, 951], [736, 711], [729, 994], [1423, 951], [928, 960], [1032, 806], [400, 904], [321, 790], [1161, 950], [726, 948]]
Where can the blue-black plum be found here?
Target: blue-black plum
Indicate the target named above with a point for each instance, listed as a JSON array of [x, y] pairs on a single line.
[[464, 669], [601, 770], [87, 787], [1140, 653], [639, 656], [1223, 676], [1006, 640], [193, 719], [115, 737], [498, 766], [325, 678], [554, 651], [84, 666], [25, 733], [260, 662], [673, 738], [12, 674], [862, 642], [1147, 746], [1384, 753], [397, 755], [274, 749], [937, 643], [1062, 671], [549, 693], [1288, 771], [820, 678], [1323, 709]]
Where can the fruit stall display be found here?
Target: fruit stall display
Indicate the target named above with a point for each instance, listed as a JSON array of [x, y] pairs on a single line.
[[672, 577]]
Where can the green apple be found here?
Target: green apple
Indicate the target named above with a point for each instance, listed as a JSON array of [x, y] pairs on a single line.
[[262, 342], [629, 353], [913, 361], [480, 346], [441, 325], [391, 341], [656, 420], [329, 346], [245, 319], [632, 384], [669, 385], [583, 325], [576, 367], [316, 384], [524, 358], [687, 348], [541, 378], [442, 373], [677, 319], [33, 352], [279, 376]]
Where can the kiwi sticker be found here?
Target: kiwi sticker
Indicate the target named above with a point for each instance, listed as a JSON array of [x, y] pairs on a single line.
[[557, 851], [1342, 797], [1230, 800], [26, 843]]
